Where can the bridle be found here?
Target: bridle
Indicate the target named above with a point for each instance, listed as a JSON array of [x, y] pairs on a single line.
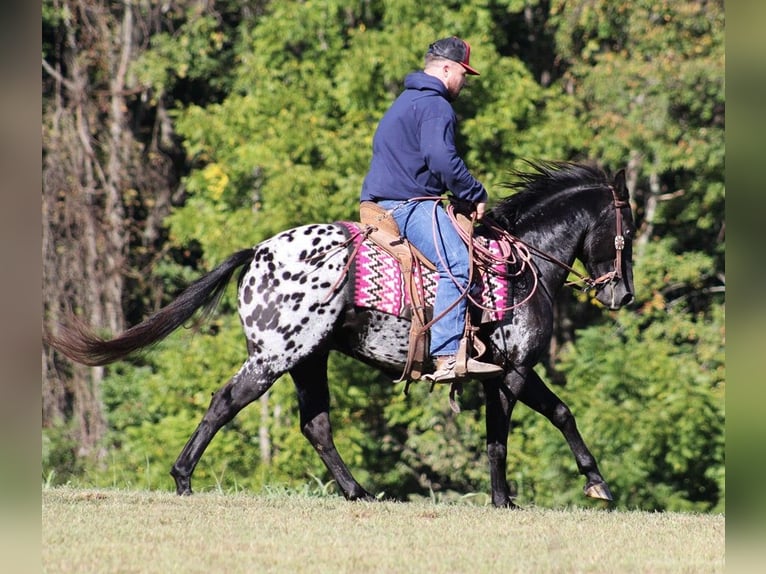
[[619, 245]]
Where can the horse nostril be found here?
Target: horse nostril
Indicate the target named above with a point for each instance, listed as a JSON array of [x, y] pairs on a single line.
[[627, 299]]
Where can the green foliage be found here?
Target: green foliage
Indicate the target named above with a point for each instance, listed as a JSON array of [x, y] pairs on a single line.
[[194, 53], [662, 271], [60, 463], [649, 400], [651, 75]]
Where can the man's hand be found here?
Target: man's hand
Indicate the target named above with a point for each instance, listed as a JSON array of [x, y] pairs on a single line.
[[480, 209]]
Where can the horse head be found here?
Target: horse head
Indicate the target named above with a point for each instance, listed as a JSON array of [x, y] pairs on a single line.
[[608, 249]]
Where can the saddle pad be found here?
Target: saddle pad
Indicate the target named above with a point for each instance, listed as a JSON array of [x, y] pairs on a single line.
[[378, 282]]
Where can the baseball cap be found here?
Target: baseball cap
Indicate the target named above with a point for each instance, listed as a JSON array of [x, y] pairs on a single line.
[[454, 49]]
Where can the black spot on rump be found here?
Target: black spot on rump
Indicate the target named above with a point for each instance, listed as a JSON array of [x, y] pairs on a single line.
[[267, 317]]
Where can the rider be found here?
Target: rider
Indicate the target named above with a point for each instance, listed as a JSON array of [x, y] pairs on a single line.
[[413, 156]]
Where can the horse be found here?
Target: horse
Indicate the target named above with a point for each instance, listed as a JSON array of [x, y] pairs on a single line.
[[295, 308]]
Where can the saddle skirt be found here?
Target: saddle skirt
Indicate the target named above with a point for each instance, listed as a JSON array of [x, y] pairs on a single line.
[[378, 282]]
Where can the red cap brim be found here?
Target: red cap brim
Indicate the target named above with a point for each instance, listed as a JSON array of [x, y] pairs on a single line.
[[469, 69], [467, 59]]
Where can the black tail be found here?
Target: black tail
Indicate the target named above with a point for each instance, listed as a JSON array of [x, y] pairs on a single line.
[[78, 343]]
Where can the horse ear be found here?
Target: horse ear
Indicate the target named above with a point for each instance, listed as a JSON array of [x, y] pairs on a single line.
[[620, 189]]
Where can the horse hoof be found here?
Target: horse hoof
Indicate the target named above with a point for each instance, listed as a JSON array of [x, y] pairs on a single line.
[[362, 496], [183, 484], [598, 490], [184, 489], [505, 502]]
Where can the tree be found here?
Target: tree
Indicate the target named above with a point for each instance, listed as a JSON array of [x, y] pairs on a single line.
[[651, 77], [111, 165], [85, 168]]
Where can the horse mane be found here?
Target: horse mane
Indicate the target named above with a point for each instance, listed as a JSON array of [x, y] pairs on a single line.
[[545, 179]]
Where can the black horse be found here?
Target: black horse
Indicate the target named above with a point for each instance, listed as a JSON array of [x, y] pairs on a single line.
[[296, 306]]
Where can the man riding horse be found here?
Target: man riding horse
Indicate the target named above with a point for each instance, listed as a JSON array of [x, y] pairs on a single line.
[[414, 156]]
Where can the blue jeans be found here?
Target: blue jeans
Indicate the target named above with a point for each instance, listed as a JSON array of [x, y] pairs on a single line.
[[438, 240]]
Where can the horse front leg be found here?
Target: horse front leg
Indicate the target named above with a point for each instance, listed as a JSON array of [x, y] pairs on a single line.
[[536, 394], [242, 389], [500, 405], [310, 378]]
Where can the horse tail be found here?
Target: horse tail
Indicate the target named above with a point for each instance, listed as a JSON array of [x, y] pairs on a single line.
[[80, 344]]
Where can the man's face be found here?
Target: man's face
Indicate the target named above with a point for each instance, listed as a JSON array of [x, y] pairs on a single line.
[[454, 78]]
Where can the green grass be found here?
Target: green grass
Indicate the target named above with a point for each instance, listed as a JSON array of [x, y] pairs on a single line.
[[120, 531]]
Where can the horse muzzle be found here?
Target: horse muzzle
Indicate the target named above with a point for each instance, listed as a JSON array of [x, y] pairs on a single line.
[[614, 295]]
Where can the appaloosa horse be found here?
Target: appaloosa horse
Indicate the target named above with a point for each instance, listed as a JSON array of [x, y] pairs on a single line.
[[296, 304]]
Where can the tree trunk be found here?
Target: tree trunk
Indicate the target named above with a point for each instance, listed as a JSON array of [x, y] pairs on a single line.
[[94, 171]]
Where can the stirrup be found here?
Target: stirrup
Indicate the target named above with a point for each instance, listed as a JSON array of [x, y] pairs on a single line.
[[447, 371]]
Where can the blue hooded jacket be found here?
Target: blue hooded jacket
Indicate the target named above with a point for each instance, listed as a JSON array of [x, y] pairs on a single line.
[[413, 150]]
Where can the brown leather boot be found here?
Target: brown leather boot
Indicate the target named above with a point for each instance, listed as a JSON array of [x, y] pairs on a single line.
[[445, 370]]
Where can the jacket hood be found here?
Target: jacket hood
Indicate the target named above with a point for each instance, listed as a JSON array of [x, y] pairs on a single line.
[[422, 81]]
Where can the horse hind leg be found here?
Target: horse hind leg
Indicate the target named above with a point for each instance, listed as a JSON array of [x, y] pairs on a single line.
[[247, 385], [310, 378], [500, 403]]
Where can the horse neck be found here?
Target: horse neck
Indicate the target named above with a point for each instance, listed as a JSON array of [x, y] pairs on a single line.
[[556, 228]]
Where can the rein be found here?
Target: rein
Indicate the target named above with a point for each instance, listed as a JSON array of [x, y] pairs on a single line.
[[512, 250]]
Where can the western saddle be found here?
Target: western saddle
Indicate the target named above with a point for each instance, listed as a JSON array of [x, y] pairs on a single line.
[[384, 232]]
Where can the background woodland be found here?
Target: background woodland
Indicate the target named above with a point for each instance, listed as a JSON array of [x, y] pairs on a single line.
[[176, 132]]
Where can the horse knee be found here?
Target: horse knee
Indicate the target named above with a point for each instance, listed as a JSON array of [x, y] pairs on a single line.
[[561, 415], [496, 451]]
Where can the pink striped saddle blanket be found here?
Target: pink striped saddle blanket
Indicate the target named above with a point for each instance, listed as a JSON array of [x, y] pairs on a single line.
[[378, 283]]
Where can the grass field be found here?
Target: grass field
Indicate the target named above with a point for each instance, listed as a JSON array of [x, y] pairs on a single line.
[[132, 531]]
